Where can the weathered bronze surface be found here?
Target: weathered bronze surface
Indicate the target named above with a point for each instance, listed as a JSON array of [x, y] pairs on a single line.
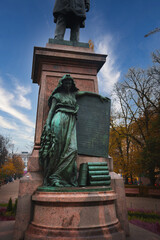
[[58, 151], [100, 177], [98, 172], [93, 126], [89, 176], [100, 183], [83, 174], [58, 141], [75, 189], [97, 168], [97, 164], [70, 14]]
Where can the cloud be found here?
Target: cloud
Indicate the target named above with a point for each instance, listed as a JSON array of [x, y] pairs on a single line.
[[7, 99], [21, 131], [20, 92], [5, 124], [25, 136], [109, 73], [21, 100]]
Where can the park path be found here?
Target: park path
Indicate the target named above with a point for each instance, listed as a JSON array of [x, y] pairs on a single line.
[[8, 191]]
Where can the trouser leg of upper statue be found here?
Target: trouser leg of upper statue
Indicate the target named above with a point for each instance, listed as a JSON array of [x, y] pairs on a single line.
[[60, 28], [75, 32]]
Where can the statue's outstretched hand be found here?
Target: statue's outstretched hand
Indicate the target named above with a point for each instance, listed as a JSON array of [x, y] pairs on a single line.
[[103, 99]]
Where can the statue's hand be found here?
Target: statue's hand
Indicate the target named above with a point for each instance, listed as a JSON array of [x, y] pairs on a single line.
[[103, 99], [87, 7]]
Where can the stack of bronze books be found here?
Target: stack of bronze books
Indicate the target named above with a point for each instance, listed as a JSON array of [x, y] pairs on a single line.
[[83, 174], [94, 174], [98, 174]]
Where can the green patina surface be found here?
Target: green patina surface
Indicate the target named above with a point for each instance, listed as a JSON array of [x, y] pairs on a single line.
[[73, 189], [89, 176], [98, 172], [93, 123], [58, 152], [97, 164], [100, 177], [96, 168], [100, 183]]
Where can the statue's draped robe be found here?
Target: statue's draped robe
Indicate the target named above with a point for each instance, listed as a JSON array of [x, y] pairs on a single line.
[[71, 9], [60, 163]]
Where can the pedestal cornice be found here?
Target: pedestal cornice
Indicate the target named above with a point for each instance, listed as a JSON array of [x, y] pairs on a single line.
[[72, 56]]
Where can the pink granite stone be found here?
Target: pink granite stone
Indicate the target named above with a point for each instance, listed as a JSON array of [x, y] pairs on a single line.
[[78, 215]]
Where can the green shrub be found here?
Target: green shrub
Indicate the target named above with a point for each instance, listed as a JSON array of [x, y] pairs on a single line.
[[9, 206], [14, 207]]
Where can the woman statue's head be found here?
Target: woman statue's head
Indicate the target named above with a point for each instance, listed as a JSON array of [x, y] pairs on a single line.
[[66, 84]]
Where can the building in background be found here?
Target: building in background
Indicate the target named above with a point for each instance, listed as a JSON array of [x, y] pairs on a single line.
[[25, 156]]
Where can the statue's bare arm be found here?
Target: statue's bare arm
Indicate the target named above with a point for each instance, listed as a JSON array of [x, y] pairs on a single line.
[[50, 114]]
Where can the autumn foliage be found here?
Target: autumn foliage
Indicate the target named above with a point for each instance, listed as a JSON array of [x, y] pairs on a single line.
[[13, 167], [135, 123]]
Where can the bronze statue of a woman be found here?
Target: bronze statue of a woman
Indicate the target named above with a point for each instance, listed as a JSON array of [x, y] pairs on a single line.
[[58, 141]]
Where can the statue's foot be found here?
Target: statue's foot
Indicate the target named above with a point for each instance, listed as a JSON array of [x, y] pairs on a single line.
[[59, 37], [58, 184]]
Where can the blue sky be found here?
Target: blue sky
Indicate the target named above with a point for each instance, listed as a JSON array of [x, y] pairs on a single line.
[[116, 27]]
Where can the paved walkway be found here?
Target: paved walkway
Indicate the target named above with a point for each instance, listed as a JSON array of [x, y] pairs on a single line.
[[6, 230], [8, 191]]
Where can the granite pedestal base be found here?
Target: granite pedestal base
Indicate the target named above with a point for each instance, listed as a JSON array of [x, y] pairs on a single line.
[[74, 215]]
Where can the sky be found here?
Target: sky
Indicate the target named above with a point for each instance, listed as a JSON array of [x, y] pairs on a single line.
[[116, 28]]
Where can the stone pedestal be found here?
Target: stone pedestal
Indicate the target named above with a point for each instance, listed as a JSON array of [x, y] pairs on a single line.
[[74, 215], [49, 65]]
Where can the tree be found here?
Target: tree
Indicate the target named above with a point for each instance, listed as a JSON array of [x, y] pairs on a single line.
[[139, 102], [8, 169], [152, 32], [18, 164], [10, 205], [123, 151], [3, 149]]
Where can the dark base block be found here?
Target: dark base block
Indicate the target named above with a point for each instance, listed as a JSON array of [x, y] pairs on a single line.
[[68, 43]]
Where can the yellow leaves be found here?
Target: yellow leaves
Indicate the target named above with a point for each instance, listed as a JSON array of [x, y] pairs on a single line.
[[12, 166], [124, 151], [19, 164], [8, 169]]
